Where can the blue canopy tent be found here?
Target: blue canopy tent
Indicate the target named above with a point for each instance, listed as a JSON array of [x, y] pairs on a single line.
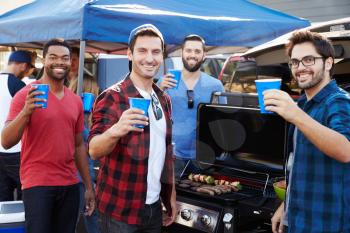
[[104, 25], [221, 23]]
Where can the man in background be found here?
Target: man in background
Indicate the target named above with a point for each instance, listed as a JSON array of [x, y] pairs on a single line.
[[19, 63], [195, 87]]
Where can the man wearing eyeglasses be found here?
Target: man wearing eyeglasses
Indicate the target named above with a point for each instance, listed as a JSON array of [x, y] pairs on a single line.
[[318, 196], [195, 87], [136, 172]]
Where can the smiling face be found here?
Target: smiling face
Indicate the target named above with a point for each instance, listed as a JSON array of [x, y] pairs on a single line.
[[312, 76], [192, 55], [146, 57], [57, 62]]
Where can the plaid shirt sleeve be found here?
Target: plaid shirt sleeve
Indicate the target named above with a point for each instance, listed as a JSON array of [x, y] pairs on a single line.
[[339, 114], [105, 113]]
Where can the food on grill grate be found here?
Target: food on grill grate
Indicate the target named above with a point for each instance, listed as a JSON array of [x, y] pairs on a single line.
[[205, 190], [201, 178], [185, 181], [235, 185], [183, 185], [208, 185], [191, 183]]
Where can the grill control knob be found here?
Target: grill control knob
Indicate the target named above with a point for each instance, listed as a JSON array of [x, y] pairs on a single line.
[[206, 220], [186, 214]]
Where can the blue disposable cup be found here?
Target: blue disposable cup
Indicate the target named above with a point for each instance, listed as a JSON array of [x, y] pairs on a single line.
[[140, 103], [177, 76], [42, 88], [261, 86], [88, 101]]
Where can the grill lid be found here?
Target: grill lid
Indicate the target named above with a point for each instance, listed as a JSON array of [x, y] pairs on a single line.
[[240, 137]]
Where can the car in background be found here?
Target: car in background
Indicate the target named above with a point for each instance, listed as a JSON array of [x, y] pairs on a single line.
[[213, 64], [269, 60]]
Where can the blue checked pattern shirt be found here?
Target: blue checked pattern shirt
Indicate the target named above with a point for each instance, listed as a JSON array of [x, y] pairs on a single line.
[[320, 187]]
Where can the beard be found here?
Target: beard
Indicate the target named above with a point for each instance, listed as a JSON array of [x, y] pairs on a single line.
[[51, 73], [194, 68], [316, 79]]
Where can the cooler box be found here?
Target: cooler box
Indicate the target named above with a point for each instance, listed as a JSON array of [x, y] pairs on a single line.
[[12, 217]]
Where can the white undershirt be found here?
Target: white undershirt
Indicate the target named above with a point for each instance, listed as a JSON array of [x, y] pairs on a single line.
[[156, 151]]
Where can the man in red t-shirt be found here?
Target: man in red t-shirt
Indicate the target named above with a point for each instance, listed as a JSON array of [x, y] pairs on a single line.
[[52, 147]]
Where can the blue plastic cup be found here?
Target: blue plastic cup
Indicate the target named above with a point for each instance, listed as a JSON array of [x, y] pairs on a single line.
[[140, 103], [88, 101], [177, 77], [43, 88], [261, 86]]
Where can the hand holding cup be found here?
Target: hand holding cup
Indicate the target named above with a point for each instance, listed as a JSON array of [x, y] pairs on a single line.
[[127, 122], [44, 94], [32, 101], [263, 85], [171, 80]]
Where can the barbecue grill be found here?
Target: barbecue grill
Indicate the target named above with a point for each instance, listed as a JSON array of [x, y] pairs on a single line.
[[234, 144]]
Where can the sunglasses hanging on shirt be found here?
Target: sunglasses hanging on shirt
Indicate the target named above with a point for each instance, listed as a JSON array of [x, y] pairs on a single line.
[[190, 98], [156, 108]]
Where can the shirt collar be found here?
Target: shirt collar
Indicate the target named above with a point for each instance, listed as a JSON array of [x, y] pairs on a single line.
[[133, 92], [323, 93]]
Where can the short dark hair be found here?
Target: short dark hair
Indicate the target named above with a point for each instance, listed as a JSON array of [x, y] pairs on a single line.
[[56, 42], [322, 45], [144, 32], [193, 37], [75, 50]]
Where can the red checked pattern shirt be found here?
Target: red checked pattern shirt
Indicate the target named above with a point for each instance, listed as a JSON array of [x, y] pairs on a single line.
[[122, 178]]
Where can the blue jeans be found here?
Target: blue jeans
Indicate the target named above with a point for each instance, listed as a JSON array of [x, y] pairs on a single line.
[[51, 209], [9, 176], [90, 222], [151, 222]]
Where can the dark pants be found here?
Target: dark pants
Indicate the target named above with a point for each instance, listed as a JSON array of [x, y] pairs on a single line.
[[9, 176], [151, 222], [51, 209]]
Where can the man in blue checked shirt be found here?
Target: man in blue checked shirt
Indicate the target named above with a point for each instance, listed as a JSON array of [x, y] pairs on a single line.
[[319, 184]]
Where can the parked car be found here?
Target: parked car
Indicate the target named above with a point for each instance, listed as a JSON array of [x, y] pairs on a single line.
[[270, 60]]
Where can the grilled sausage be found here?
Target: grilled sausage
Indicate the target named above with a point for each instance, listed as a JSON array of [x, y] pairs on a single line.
[[224, 188], [212, 188], [185, 181], [205, 190], [183, 185], [195, 184]]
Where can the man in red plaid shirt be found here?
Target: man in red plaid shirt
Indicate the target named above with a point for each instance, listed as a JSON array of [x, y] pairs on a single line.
[[136, 172]]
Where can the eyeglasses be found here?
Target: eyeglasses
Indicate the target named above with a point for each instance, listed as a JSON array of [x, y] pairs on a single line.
[[307, 61], [190, 98], [155, 107]]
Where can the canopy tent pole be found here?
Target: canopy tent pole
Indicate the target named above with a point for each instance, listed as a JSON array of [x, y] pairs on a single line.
[[81, 67]]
